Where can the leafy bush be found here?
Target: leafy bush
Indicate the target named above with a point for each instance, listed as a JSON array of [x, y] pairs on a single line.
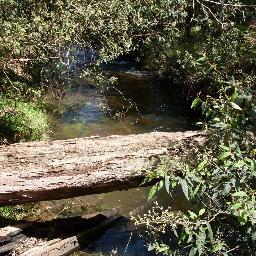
[[218, 180], [19, 212], [22, 121]]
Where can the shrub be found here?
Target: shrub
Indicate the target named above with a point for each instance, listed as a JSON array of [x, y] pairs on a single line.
[[218, 181], [22, 121], [14, 212]]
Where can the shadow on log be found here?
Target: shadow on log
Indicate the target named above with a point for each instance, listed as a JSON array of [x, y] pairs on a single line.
[[38, 171], [56, 237]]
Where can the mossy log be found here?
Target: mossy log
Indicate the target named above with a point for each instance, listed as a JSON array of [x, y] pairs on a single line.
[[49, 170]]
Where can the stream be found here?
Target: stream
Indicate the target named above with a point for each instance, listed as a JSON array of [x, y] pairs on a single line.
[[136, 104]]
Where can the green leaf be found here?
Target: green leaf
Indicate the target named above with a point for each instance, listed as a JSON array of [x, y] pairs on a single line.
[[235, 106], [184, 187], [209, 230], [196, 190], [151, 247], [225, 148], [236, 206], [227, 188], [152, 192], [196, 102], [195, 178], [160, 184], [167, 184], [201, 60], [193, 251], [224, 155], [202, 165], [243, 218], [200, 241], [240, 194], [234, 96], [253, 166], [201, 212], [192, 215], [239, 164]]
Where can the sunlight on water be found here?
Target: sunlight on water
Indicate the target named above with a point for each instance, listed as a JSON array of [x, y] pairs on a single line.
[[133, 106]]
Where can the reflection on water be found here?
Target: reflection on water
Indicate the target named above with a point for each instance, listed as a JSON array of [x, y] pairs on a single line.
[[123, 238], [134, 105], [124, 202]]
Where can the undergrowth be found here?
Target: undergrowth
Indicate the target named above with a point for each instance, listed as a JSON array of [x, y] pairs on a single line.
[[217, 179], [22, 121]]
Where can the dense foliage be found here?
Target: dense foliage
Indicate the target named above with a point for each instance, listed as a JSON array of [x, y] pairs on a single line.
[[21, 121], [206, 47], [218, 181], [219, 178]]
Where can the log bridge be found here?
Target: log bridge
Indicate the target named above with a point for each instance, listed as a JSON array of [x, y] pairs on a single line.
[[49, 170]]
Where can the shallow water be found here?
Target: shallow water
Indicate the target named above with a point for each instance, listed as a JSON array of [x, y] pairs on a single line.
[[135, 105]]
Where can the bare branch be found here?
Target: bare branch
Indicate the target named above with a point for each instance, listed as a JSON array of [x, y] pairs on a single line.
[[229, 4]]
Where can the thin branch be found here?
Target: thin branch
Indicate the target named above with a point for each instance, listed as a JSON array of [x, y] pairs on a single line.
[[235, 248], [210, 11], [10, 81], [229, 4], [28, 59], [193, 6]]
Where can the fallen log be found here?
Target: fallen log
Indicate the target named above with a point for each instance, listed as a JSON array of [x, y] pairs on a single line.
[[56, 237], [9, 238], [7, 233], [56, 247], [61, 247], [38, 171]]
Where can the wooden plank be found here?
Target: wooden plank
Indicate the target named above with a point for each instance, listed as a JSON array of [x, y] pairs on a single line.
[[8, 232], [56, 247], [63, 247], [11, 244], [56, 237], [51, 170]]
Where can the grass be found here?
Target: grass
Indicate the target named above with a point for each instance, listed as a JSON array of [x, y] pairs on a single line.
[[22, 121]]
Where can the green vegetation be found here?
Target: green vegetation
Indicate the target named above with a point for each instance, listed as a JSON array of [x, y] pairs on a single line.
[[19, 212], [205, 47], [218, 181], [22, 121]]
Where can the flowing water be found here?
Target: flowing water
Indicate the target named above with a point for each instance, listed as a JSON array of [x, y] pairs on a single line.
[[135, 105]]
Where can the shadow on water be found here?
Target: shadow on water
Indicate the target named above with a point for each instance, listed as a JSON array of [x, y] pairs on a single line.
[[135, 105]]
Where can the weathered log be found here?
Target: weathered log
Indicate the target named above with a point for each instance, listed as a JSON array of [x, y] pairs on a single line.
[[56, 237], [7, 233], [9, 238], [61, 247], [38, 171], [56, 247]]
